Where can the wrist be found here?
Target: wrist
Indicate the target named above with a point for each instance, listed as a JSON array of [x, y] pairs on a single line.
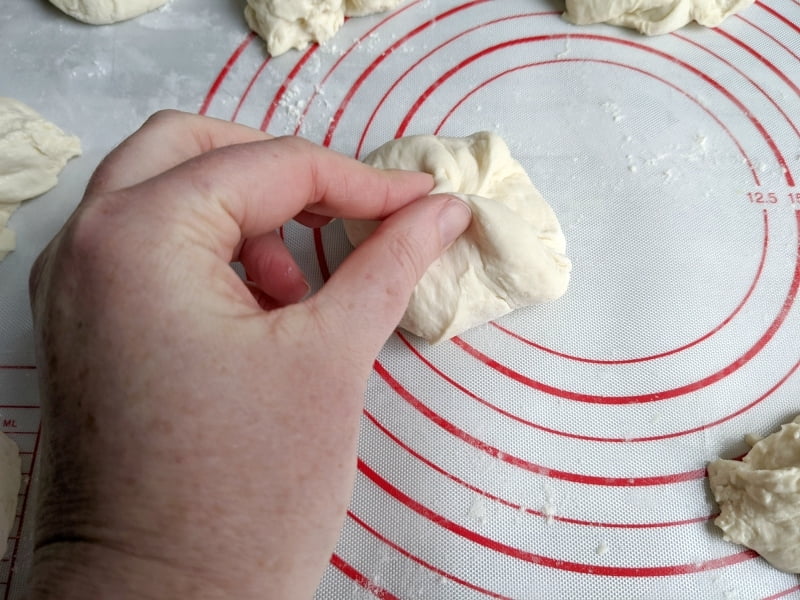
[[77, 570]]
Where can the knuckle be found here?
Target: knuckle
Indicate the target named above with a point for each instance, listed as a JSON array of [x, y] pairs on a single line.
[[164, 117]]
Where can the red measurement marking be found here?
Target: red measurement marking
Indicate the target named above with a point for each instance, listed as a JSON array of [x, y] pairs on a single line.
[[778, 16], [361, 579], [769, 35], [522, 463], [249, 87], [519, 507], [18, 367], [374, 65], [423, 563], [515, 42], [224, 73], [756, 278], [588, 438], [320, 249], [546, 561], [273, 106], [653, 396], [784, 593], [22, 517], [324, 80]]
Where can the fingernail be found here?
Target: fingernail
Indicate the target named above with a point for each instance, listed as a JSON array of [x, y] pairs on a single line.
[[454, 218]]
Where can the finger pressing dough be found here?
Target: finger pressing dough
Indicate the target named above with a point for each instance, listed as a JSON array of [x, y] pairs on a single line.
[[511, 256], [104, 12], [652, 17], [10, 477], [33, 152], [287, 24], [759, 497]]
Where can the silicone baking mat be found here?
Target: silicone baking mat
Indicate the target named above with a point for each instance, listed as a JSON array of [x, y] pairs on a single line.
[[559, 452]]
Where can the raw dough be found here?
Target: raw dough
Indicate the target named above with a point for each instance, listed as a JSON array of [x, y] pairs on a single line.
[[652, 17], [286, 24], [10, 479], [103, 12], [32, 153], [759, 497], [511, 256]]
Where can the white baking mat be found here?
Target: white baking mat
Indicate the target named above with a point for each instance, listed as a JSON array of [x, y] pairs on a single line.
[[559, 452]]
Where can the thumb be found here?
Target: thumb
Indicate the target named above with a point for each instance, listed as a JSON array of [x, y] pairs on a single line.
[[368, 294]]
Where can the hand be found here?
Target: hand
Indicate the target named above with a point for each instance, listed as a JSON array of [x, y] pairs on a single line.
[[199, 433]]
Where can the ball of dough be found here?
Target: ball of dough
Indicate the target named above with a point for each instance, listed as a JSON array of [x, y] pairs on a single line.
[[759, 497], [511, 256], [652, 17], [104, 12], [33, 152], [10, 479], [287, 24]]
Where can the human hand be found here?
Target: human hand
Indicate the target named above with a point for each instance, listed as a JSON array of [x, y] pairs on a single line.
[[199, 434]]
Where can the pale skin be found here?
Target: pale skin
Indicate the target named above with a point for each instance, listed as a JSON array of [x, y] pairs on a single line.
[[199, 432]]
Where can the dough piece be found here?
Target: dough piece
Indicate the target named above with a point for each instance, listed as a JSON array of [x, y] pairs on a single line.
[[104, 12], [287, 24], [32, 154], [510, 256], [360, 8], [652, 17], [10, 479], [759, 497]]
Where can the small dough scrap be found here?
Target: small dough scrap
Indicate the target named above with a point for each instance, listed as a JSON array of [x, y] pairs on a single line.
[[33, 152], [511, 256], [652, 17], [10, 480], [759, 497], [287, 24], [105, 12]]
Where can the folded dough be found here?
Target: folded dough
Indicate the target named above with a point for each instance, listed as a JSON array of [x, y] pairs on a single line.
[[759, 497], [511, 255], [652, 17], [32, 153]]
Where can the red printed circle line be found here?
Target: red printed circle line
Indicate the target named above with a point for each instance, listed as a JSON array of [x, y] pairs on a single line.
[[336, 64], [588, 438], [616, 64], [521, 463], [273, 106], [427, 55], [778, 16], [361, 579], [652, 396], [421, 562], [374, 65], [224, 73], [761, 58], [546, 561], [772, 38], [26, 495], [519, 507], [784, 593], [507, 44], [249, 87], [702, 338]]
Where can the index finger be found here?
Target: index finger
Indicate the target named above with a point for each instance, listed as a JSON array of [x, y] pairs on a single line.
[[167, 139], [245, 190]]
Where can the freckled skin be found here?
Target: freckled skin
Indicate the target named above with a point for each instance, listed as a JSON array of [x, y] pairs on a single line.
[[199, 432]]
